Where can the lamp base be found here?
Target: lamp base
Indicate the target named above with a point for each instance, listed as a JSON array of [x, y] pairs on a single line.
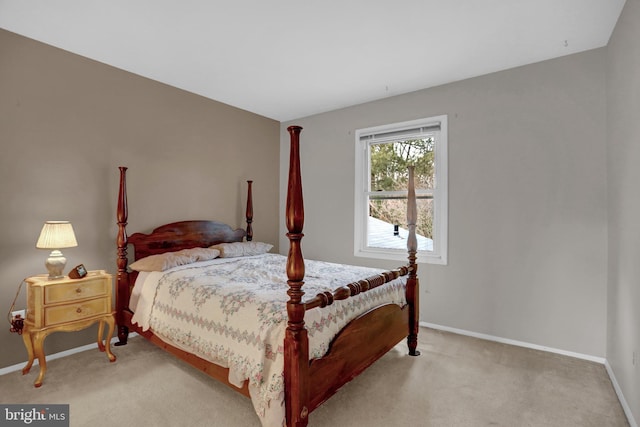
[[55, 264]]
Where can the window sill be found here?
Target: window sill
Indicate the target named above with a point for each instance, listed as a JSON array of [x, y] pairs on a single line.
[[397, 255]]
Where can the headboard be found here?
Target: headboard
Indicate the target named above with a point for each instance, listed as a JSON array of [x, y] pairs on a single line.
[[177, 235], [184, 235], [168, 237]]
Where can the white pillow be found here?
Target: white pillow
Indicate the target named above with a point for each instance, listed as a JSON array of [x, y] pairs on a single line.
[[236, 249], [169, 260]]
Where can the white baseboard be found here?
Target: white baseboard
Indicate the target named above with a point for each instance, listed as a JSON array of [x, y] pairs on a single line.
[[623, 401], [601, 360], [54, 356], [589, 357]]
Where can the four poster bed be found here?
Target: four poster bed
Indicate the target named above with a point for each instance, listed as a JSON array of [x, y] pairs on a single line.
[[303, 350]]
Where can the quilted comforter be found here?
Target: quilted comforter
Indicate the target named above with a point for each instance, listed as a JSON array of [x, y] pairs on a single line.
[[232, 312]]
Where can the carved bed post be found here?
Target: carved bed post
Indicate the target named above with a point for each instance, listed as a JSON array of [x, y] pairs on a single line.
[[122, 280], [296, 344], [249, 214], [412, 280]]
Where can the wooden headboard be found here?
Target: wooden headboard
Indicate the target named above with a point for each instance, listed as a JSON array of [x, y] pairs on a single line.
[[184, 235], [166, 238], [177, 235]]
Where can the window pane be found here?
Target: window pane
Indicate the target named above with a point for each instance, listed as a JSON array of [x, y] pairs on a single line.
[[387, 223], [389, 162]]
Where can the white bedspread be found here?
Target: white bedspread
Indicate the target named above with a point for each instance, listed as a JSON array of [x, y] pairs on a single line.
[[233, 312]]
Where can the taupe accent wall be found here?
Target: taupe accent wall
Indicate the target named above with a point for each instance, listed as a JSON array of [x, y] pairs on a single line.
[[527, 200], [67, 123]]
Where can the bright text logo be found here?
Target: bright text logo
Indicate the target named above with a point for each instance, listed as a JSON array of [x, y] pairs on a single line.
[[34, 415]]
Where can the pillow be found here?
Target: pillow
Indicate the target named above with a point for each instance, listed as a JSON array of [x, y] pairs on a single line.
[[169, 260], [236, 249]]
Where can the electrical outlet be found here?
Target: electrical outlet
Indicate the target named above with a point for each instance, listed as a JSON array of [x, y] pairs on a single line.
[[22, 314]]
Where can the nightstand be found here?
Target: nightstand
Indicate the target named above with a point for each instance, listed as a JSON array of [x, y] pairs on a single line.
[[66, 305]]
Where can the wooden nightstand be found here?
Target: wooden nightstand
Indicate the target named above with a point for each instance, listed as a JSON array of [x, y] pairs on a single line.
[[66, 305]]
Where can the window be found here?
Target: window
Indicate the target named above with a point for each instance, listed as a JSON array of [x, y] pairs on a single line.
[[383, 155]]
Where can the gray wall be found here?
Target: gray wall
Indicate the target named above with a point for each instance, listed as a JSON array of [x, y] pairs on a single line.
[[67, 123], [527, 200], [623, 174]]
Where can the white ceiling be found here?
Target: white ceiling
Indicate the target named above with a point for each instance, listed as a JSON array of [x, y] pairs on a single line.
[[286, 59]]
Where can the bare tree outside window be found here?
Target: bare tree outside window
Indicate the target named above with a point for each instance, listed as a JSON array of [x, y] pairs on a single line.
[[389, 173]]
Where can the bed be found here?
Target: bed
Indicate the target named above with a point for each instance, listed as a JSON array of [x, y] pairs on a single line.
[[306, 348]]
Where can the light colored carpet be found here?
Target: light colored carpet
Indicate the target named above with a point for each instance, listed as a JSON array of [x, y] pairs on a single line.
[[457, 381]]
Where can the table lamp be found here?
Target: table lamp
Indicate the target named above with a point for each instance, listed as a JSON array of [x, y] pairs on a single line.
[[56, 235]]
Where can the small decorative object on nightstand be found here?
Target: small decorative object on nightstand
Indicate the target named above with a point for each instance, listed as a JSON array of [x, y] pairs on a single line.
[[78, 272], [66, 305]]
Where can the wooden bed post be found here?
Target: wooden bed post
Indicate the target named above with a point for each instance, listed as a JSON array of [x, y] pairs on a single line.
[[296, 343], [122, 280], [412, 280], [249, 214]]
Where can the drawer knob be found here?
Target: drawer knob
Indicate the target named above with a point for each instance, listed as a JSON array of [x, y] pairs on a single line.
[[79, 310], [78, 290]]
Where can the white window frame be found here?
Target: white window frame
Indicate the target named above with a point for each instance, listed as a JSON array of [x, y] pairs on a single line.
[[440, 193]]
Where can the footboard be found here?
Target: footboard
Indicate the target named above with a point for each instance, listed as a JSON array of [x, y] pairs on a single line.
[[362, 342]]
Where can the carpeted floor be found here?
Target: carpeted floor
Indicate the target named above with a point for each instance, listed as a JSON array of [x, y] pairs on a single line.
[[457, 381]]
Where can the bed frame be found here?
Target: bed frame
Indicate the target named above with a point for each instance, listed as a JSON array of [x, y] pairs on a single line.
[[308, 383]]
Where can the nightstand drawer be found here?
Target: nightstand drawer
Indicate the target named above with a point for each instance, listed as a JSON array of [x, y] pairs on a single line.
[[77, 311], [74, 291]]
